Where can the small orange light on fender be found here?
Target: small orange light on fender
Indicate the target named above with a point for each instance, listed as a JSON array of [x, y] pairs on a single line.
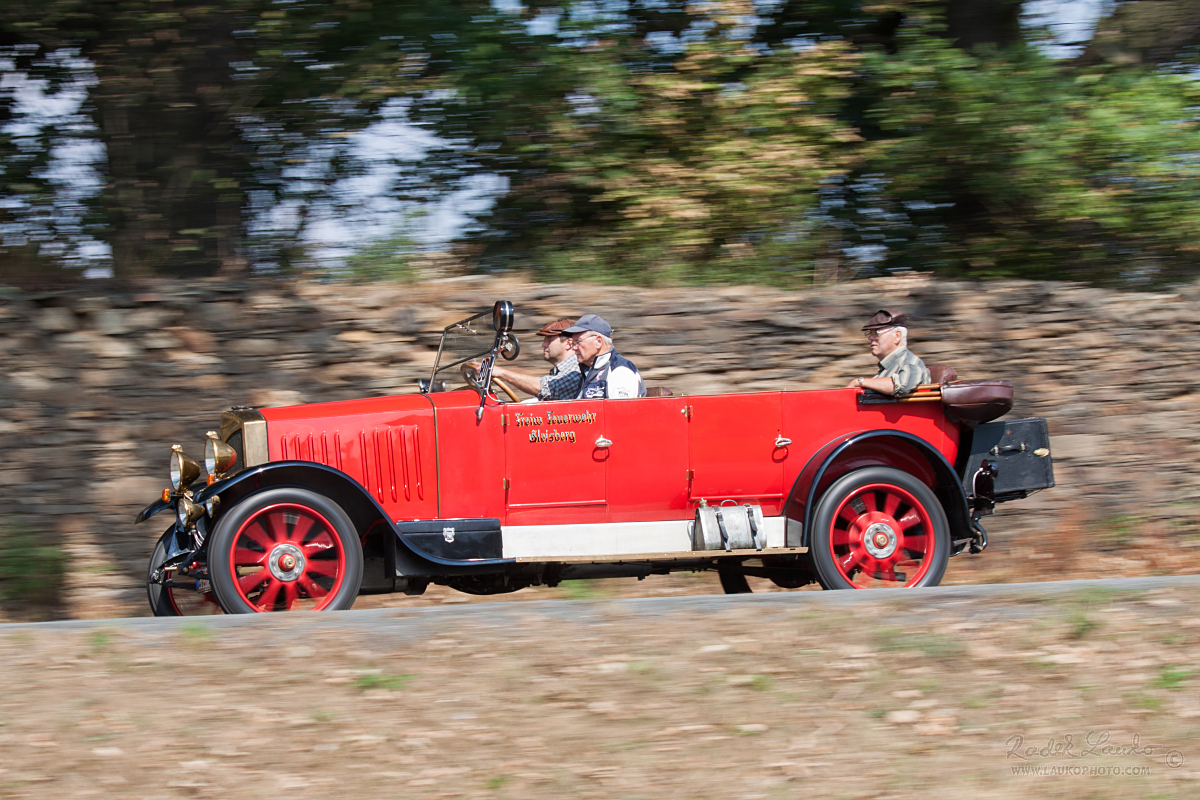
[[166, 495], [211, 479]]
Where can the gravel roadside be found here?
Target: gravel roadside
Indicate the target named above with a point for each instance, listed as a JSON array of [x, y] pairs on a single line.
[[1083, 689]]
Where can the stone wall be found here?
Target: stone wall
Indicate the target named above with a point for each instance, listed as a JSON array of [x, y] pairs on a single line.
[[97, 384]]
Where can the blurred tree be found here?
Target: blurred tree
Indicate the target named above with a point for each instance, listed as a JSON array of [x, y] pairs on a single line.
[[653, 142], [649, 140], [1004, 163], [1146, 32], [203, 106]]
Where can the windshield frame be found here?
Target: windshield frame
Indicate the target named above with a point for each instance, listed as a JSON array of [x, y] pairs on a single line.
[[465, 324]]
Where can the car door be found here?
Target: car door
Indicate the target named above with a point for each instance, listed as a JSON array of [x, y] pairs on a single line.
[[647, 459], [737, 450], [555, 466]]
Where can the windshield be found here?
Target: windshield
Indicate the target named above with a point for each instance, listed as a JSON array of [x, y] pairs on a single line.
[[468, 340]]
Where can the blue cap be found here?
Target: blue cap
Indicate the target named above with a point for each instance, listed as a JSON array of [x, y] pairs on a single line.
[[590, 322]]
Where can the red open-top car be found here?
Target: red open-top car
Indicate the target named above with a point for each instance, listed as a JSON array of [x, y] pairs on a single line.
[[306, 507]]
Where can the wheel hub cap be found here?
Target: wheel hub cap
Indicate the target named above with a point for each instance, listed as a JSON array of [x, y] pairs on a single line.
[[286, 562], [880, 540]]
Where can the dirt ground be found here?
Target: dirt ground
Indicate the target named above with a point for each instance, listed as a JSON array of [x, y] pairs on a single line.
[[1092, 693]]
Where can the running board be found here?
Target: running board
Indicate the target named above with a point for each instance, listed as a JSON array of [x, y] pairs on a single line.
[[689, 555]]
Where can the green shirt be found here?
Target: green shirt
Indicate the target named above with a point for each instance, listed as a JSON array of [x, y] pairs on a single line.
[[905, 369]]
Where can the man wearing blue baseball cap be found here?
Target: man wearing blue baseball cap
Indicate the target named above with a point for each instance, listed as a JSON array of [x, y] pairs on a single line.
[[606, 373]]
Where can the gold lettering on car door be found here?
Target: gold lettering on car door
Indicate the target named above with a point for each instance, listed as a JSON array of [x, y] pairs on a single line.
[[540, 435]]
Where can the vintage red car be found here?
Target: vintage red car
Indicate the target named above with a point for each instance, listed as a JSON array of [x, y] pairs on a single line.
[[308, 506]]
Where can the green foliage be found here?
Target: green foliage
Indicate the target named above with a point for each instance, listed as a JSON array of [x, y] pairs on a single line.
[[387, 259], [667, 142], [1034, 170], [582, 590], [196, 634], [1172, 677], [1080, 624], [371, 680], [31, 570], [643, 164], [928, 645]]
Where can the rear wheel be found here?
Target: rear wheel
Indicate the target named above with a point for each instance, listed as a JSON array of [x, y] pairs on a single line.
[[879, 528], [733, 581], [285, 550], [175, 601]]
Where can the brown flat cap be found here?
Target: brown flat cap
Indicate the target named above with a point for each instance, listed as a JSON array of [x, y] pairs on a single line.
[[885, 318], [556, 327]]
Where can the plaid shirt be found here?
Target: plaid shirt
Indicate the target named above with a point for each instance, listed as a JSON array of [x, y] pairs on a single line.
[[905, 369], [563, 381]]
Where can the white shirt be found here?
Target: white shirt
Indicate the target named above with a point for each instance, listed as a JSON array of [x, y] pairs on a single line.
[[622, 381]]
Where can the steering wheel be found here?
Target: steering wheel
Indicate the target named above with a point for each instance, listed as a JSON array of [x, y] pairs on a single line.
[[472, 376], [507, 389]]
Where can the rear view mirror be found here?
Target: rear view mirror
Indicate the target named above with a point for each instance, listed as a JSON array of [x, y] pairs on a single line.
[[502, 316], [511, 347]]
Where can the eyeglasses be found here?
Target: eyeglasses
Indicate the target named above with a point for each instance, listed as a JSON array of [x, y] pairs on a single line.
[[873, 335]]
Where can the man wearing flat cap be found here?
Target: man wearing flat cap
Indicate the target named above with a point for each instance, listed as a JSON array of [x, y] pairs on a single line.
[[900, 371], [564, 379], [606, 373]]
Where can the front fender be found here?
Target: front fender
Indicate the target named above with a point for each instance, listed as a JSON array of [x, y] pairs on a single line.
[[891, 447], [364, 511], [152, 509]]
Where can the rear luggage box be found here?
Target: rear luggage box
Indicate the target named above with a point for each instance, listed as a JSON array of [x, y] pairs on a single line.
[[1020, 450]]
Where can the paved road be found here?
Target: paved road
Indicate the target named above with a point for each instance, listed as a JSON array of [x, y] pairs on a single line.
[[1012, 597]]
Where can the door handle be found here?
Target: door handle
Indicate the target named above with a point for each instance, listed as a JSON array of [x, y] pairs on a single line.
[[602, 442], [782, 442]]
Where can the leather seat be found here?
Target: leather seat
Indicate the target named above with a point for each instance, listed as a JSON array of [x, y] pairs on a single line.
[[941, 373]]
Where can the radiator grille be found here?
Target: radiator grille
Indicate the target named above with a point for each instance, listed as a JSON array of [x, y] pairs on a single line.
[[235, 441]]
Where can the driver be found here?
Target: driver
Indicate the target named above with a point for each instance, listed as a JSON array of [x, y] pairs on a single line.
[[564, 379], [606, 373]]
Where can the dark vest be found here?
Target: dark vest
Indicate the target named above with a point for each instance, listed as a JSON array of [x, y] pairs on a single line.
[[595, 381]]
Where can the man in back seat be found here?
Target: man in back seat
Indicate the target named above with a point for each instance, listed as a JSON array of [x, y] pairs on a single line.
[[900, 371]]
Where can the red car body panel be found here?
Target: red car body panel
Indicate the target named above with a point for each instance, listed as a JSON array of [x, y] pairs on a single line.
[[470, 459], [555, 472], [733, 454], [386, 444], [429, 457], [648, 462]]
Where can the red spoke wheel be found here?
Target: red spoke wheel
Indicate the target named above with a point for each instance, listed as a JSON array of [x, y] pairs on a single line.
[[175, 600], [879, 528], [285, 550]]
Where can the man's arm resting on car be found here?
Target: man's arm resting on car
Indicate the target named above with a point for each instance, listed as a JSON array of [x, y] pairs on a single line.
[[881, 385]]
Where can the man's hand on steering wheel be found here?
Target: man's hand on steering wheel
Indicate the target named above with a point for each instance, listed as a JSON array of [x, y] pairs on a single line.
[[470, 371]]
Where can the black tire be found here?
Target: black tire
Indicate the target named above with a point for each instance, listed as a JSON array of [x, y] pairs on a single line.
[[168, 602], [909, 530], [298, 550], [733, 581]]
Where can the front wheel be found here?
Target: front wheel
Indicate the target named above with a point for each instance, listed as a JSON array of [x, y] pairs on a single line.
[[285, 550], [879, 527], [170, 599]]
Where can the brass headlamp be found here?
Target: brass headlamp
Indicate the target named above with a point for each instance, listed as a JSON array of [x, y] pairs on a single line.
[[184, 469], [219, 457], [188, 511]]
